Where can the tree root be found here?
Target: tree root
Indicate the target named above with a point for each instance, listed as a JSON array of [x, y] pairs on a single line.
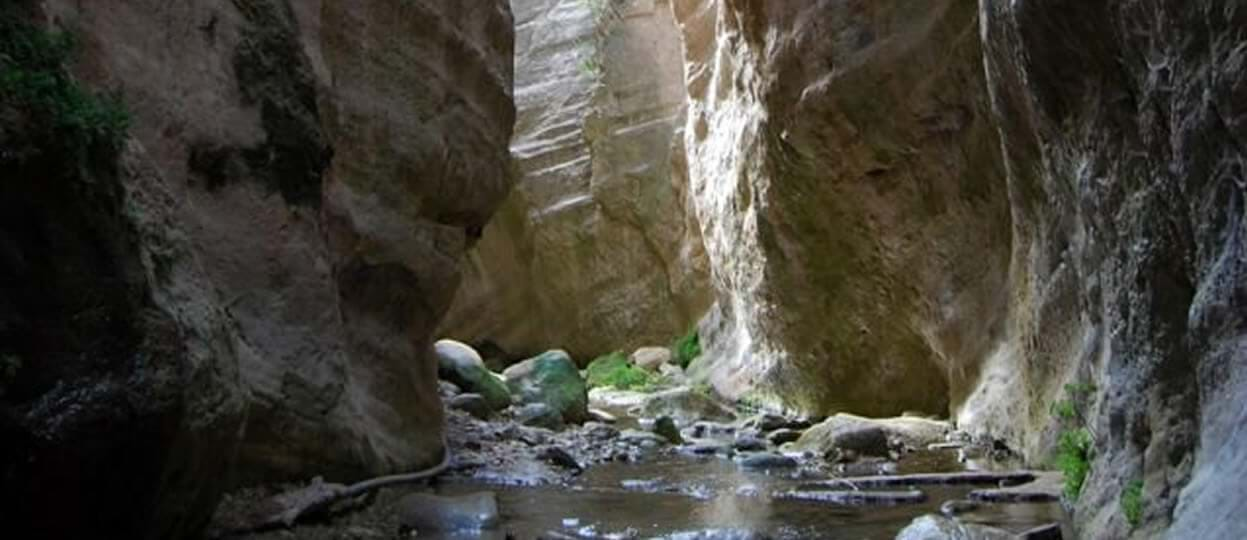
[[319, 496]]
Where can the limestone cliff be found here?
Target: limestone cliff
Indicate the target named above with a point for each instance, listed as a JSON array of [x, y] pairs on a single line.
[[1123, 127], [247, 289], [848, 180], [963, 208], [593, 251]]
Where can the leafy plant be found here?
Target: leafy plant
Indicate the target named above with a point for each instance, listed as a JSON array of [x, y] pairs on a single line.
[[1132, 503], [1076, 442], [591, 67], [614, 370], [687, 348], [1063, 409], [1073, 459], [62, 118]]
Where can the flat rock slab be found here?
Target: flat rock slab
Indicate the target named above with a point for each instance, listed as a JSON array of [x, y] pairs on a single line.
[[937, 479], [1046, 487], [428, 512], [763, 461], [1051, 531], [857, 497]]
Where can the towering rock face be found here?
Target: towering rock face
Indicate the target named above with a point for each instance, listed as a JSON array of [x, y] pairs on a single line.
[[880, 240], [256, 280], [1123, 126], [848, 182], [594, 250]]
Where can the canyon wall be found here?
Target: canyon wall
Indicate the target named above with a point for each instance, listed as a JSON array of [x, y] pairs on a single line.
[[849, 185], [594, 250], [963, 208], [1123, 125], [247, 289]]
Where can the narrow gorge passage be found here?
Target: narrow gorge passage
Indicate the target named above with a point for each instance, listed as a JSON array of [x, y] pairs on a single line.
[[609, 269]]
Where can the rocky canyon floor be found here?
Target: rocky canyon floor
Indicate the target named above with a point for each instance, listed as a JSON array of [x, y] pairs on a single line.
[[675, 461]]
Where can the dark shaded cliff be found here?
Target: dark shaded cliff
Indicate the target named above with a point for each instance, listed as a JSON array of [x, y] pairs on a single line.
[[239, 281]]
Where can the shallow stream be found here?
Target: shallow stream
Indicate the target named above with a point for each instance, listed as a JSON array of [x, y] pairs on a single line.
[[679, 496]]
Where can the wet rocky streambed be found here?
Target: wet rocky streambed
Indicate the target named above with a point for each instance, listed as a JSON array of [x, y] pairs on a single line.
[[677, 462]]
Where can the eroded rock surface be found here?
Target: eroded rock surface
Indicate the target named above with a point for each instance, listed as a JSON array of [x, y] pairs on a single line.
[[1123, 128], [279, 239], [594, 251], [961, 208], [848, 180]]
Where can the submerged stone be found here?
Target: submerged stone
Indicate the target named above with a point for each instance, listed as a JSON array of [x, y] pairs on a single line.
[[539, 415], [427, 512], [767, 461]]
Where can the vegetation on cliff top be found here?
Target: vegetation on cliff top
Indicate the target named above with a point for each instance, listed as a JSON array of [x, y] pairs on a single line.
[[55, 116]]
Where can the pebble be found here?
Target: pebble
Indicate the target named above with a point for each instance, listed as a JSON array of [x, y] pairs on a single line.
[[602, 416], [666, 428], [784, 435], [749, 444], [473, 404], [960, 506]]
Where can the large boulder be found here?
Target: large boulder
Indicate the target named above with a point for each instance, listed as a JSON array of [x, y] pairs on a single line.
[[550, 378], [871, 436], [650, 358], [685, 405], [935, 527], [461, 365]]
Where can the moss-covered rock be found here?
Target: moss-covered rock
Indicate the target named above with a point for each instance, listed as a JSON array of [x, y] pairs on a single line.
[[550, 378], [616, 371], [461, 365]]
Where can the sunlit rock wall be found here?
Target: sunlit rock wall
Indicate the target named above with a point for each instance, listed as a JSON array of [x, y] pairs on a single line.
[[595, 250], [849, 186]]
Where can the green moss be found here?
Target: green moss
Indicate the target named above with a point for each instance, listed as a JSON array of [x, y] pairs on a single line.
[[1073, 459], [614, 370], [687, 348], [1132, 503], [60, 119]]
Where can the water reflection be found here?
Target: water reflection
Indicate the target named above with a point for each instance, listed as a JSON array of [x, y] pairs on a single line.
[[708, 497]]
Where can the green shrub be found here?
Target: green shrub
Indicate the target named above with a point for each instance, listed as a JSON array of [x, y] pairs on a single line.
[[614, 370], [1063, 410], [62, 119], [687, 348], [1132, 503], [1073, 459]]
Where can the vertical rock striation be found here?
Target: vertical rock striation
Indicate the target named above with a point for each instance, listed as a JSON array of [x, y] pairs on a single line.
[[265, 265], [945, 208], [847, 178], [1123, 127], [593, 251]]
